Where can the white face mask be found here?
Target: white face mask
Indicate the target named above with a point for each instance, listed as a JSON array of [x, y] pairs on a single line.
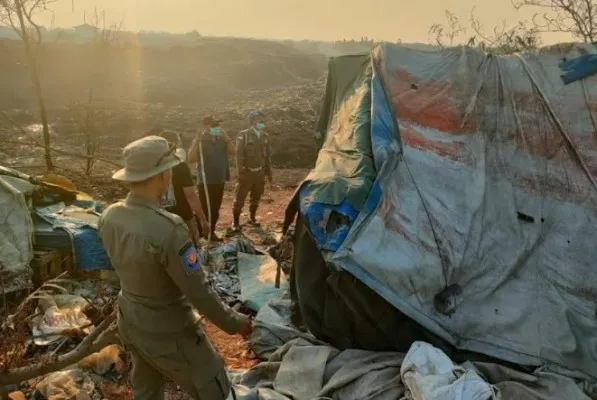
[[181, 153], [168, 199]]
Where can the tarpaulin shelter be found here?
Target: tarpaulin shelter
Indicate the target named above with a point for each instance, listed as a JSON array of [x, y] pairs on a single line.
[[37, 214], [454, 201]]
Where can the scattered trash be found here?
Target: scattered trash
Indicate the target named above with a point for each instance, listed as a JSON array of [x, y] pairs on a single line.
[[60, 315], [429, 374], [17, 396], [104, 361], [222, 268], [68, 384], [257, 274]]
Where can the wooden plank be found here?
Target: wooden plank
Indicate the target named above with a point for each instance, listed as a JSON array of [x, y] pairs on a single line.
[[49, 264]]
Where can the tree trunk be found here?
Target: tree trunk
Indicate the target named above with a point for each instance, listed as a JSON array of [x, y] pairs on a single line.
[[41, 104], [35, 79], [88, 133]]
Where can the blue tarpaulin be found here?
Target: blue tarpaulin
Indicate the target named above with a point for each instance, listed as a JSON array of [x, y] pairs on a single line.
[[79, 220]]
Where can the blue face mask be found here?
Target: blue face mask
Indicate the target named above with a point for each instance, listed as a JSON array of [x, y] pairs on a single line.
[[260, 126], [215, 130]]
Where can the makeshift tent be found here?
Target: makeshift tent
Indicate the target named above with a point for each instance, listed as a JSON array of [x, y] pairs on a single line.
[[454, 200], [36, 214], [16, 240]]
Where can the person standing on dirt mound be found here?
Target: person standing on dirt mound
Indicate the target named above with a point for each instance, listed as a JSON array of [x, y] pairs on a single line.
[[210, 150], [253, 151], [162, 281]]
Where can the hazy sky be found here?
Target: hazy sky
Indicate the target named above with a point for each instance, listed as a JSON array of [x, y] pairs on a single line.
[[408, 20]]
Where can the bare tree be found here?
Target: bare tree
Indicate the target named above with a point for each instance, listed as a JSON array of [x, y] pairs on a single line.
[[91, 116], [449, 31], [91, 120], [575, 17], [502, 39], [20, 15]]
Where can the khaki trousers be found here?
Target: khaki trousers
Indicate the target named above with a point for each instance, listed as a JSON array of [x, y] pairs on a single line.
[[187, 358]]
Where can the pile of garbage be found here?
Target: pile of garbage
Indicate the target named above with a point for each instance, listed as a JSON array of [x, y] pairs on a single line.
[[66, 311], [241, 273]]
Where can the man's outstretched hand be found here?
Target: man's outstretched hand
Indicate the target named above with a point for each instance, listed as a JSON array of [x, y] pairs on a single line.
[[205, 228], [246, 327]]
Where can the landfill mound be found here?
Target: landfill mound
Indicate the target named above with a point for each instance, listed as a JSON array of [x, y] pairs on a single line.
[[210, 70], [138, 88]]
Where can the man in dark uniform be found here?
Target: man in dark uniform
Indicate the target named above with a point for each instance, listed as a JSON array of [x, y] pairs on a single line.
[[162, 282], [181, 197], [253, 151]]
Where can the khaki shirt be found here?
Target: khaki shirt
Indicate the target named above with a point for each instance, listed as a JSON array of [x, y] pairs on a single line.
[[253, 151], [160, 274]]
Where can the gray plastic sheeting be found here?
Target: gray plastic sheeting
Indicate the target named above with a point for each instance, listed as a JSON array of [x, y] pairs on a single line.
[[297, 366], [257, 275], [487, 215], [16, 238]]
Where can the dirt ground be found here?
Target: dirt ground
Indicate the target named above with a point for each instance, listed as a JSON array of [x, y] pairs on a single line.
[[271, 215]]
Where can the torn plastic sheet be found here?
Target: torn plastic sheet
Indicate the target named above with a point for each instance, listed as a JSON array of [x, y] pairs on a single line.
[[578, 68], [298, 366], [68, 217], [62, 313], [221, 267], [67, 384], [429, 374], [80, 222], [16, 241], [257, 275], [471, 143]]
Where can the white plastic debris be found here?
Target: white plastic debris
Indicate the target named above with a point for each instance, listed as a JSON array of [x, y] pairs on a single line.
[[429, 374], [67, 384], [60, 313]]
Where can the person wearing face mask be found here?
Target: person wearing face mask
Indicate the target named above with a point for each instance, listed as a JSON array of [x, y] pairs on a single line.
[[212, 159], [253, 164], [162, 283], [181, 197]]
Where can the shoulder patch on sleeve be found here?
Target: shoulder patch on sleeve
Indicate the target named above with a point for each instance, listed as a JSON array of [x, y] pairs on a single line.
[[189, 258]]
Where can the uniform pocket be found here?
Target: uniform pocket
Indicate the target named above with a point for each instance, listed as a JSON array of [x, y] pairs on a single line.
[[218, 388], [200, 356]]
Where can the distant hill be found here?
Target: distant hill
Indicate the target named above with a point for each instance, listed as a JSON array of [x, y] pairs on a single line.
[[85, 33]]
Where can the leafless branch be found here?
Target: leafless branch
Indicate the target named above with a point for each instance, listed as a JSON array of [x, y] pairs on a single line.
[[103, 335], [501, 39], [575, 17], [36, 143], [504, 39], [450, 32]]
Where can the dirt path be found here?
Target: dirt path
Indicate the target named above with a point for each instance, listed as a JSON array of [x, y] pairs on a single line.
[[271, 215]]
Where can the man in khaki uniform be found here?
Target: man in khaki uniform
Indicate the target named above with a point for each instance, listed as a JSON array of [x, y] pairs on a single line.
[[162, 281], [253, 151]]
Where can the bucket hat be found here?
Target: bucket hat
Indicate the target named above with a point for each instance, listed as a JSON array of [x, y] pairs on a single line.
[[146, 158]]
